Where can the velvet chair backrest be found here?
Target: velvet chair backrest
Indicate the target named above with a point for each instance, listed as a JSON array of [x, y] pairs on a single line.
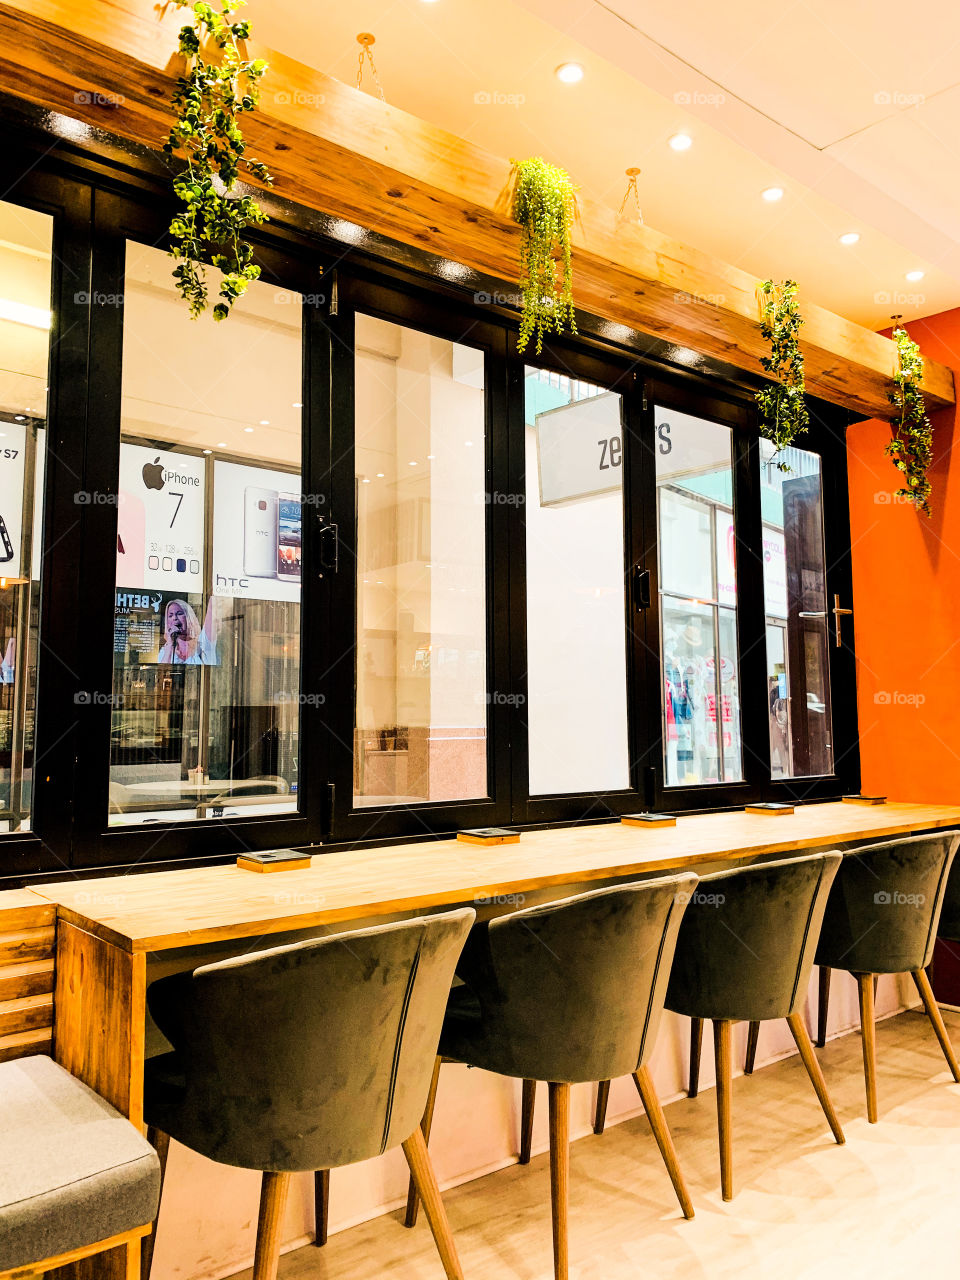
[[314, 1055], [885, 905], [572, 991], [747, 941]]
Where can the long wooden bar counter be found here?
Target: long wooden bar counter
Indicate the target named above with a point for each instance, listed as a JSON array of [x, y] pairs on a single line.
[[107, 926], [153, 912]]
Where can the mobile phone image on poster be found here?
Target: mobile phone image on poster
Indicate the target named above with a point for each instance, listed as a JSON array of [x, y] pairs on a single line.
[[257, 519]]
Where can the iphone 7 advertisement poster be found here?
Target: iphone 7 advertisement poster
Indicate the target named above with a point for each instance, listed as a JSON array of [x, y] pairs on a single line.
[[160, 514], [257, 532]]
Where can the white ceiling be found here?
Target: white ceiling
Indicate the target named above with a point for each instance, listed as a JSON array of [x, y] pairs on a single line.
[[852, 106]]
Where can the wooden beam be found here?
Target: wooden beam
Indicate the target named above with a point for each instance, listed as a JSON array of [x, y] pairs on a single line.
[[348, 155]]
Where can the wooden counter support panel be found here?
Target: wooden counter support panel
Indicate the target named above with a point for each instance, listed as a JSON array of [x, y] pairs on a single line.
[[101, 1017], [348, 155], [26, 974]]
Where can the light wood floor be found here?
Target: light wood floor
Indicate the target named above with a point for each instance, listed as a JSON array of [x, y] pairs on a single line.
[[886, 1205]]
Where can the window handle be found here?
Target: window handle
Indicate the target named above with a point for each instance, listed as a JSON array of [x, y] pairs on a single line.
[[837, 614], [329, 548], [641, 588], [821, 614]]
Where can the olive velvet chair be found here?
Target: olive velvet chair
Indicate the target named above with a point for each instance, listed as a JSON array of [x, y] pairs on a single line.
[[745, 954], [882, 917], [571, 992], [306, 1057]]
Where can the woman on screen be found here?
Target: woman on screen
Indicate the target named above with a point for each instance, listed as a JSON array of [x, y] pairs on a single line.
[[184, 641]]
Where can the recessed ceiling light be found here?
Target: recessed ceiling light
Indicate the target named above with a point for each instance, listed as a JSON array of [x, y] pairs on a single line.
[[681, 142], [468, 444], [569, 72], [431, 456], [914, 276], [379, 475], [264, 422], [298, 404], [850, 237], [411, 464], [366, 479], [773, 194], [208, 451], [221, 444], [19, 417], [248, 430]]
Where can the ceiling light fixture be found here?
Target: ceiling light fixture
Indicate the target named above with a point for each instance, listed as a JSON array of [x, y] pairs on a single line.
[[914, 276], [20, 313], [773, 194], [248, 430], [681, 142], [570, 72], [850, 237]]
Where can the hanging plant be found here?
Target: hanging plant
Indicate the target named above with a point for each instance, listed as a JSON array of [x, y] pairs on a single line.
[[912, 445], [783, 406], [208, 102], [544, 204]]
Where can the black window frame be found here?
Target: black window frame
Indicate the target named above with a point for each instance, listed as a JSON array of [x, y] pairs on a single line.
[[93, 195]]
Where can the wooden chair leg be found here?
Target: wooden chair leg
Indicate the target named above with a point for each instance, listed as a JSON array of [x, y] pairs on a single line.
[[560, 1174], [426, 1124], [527, 1103], [161, 1144], [869, 1029], [723, 1051], [935, 1016], [603, 1097], [658, 1123], [321, 1206], [752, 1040], [421, 1170], [823, 1005], [696, 1047], [809, 1059], [273, 1200]]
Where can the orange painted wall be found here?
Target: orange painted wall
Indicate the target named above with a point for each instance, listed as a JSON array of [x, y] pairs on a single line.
[[906, 583]]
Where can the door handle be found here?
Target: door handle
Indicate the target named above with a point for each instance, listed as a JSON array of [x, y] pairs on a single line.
[[641, 588], [837, 614]]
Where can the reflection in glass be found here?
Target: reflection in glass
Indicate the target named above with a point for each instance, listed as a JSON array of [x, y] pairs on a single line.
[[421, 666], [698, 601], [25, 257], [794, 579], [576, 615], [206, 688]]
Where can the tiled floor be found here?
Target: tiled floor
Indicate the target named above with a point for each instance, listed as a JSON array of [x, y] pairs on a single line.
[[884, 1207]]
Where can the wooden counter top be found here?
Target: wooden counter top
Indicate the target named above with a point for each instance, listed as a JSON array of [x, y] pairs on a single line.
[[159, 910]]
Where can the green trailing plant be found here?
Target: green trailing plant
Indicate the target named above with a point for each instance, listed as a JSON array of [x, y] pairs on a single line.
[[912, 445], [209, 100], [544, 204], [783, 406]]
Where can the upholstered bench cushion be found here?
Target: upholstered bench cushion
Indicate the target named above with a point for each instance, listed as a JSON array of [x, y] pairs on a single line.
[[73, 1171]]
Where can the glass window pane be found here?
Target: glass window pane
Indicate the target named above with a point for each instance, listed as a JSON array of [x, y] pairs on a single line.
[[576, 611], [798, 620], [421, 721], [25, 257], [698, 601], [206, 690]]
